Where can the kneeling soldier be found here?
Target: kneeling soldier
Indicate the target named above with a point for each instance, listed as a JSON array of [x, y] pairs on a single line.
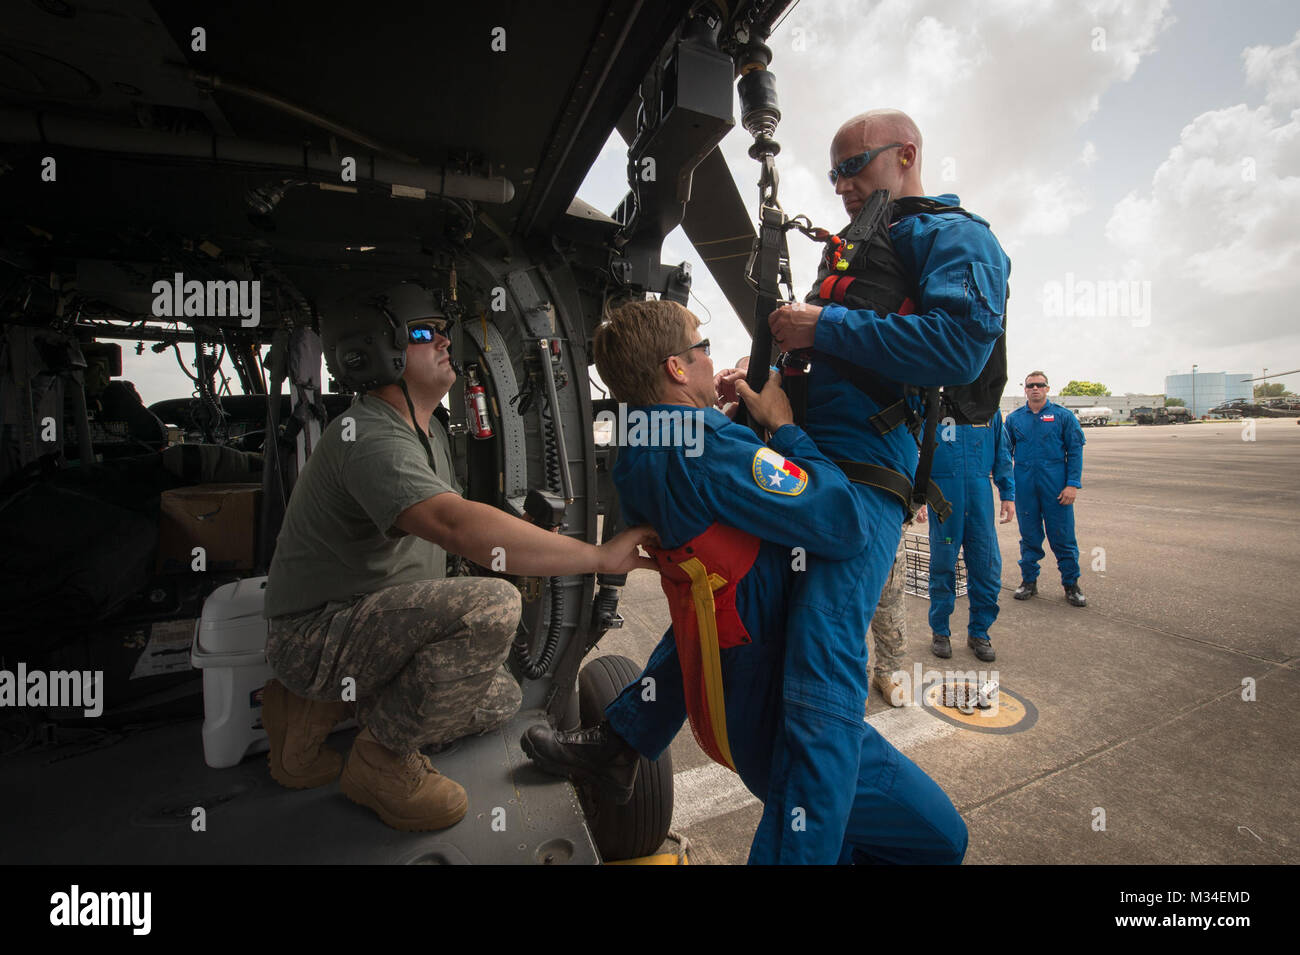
[[357, 589]]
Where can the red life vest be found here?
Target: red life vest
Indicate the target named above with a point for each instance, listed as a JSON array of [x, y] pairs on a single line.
[[699, 578]]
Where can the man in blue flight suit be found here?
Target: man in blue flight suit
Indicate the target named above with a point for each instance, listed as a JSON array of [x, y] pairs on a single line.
[[943, 333], [1046, 441], [965, 457], [754, 526], [957, 272]]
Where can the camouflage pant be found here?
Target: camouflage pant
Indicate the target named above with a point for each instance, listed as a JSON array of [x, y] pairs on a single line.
[[425, 657], [887, 628]]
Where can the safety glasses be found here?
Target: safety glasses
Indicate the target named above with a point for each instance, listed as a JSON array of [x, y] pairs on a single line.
[[855, 164], [424, 331], [704, 345]]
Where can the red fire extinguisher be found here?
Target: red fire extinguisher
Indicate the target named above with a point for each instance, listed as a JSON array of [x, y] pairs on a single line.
[[476, 406]]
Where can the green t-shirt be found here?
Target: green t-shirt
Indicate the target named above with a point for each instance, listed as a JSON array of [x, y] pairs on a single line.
[[338, 538]]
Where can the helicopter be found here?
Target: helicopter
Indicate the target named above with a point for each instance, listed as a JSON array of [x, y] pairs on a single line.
[[211, 194]]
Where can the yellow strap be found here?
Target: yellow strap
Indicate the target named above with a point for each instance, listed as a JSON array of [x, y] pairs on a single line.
[[702, 587]]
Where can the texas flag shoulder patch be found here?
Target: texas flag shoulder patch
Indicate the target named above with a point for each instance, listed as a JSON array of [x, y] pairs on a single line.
[[776, 475]]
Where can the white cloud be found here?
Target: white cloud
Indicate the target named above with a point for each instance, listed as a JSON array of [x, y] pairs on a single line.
[[1000, 92], [1216, 232], [1277, 69], [998, 89], [1047, 206]]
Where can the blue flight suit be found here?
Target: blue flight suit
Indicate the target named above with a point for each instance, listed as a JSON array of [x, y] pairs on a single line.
[[959, 296], [1048, 451], [963, 461], [897, 813], [823, 748]]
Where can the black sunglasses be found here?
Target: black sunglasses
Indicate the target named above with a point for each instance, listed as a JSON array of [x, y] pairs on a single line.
[[855, 164], [1035, 384], [424, 331], [703, 344]]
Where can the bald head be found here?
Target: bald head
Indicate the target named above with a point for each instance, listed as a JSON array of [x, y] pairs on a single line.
[[898, 170], [885, 125]]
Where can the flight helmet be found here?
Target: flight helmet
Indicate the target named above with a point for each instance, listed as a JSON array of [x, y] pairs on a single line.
[[365, 339], [364, 345]]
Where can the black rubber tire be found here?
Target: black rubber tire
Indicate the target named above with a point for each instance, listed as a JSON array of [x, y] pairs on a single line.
[[639, 827]]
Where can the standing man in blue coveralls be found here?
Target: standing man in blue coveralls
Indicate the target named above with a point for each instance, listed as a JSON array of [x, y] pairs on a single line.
[[958, 273], [1046, 441], [757, 524], [963, 461]]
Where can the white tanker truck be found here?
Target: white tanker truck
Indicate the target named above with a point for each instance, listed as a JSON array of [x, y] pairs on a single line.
[[1096, 416]]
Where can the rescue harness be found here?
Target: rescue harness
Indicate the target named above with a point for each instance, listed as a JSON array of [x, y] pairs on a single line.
[[860, 269], [699, 579]]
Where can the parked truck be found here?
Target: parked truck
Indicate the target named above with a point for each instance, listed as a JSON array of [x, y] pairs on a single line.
[[1171, 415], [1093, 416]]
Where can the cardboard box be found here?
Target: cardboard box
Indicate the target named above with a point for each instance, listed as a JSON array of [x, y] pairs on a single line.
[[221, 518], [168, 649]]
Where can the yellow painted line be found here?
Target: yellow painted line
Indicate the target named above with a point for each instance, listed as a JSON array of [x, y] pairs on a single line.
[[665, 858]]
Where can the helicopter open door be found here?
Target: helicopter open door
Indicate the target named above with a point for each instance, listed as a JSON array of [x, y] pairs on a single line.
[[308, 158]]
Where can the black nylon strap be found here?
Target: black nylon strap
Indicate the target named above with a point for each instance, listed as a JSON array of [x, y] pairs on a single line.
[[873, 475], [915, 205], [937, 502], [771, 238], [796, 389], [924, 463], [887, 479], [887, 419]]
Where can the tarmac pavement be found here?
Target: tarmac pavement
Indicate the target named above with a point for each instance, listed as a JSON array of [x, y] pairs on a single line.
[[1165, 729]]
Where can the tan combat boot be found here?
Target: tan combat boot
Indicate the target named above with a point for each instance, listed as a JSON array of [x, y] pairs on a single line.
[[404, 790], [297, 729], [890, 689]]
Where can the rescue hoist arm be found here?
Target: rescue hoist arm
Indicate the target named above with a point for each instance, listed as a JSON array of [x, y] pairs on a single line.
[[685, 112]]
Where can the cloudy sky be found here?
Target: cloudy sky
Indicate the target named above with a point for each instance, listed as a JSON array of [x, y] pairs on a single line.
[[1152, 143]]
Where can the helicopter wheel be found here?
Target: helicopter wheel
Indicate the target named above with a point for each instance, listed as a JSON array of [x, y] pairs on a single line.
[[639, 827]]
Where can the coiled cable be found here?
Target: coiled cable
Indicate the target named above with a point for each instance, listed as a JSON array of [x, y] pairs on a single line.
[[535, 670]]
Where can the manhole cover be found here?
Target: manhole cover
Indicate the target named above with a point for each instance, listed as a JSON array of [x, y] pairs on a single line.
[[958, 702]]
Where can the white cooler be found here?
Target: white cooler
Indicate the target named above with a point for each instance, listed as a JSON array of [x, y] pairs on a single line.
[[230, 648]]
